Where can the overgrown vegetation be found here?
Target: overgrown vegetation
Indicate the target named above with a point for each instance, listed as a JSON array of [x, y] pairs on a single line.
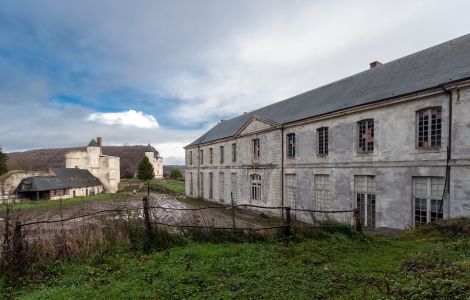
[[421, 264]]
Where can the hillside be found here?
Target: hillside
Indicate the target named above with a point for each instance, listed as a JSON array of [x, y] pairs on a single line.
[[43, 159]]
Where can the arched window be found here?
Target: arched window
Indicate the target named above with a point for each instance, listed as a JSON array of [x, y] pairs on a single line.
[[255, 187]]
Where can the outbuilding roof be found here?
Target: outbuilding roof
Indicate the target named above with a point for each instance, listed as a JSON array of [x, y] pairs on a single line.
[[63, 178], [426, 69]]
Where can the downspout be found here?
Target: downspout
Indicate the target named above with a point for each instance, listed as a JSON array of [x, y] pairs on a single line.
[[282, 166], [449, 153]]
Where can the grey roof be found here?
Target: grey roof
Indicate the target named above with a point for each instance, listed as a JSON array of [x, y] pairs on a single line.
[[426, 69], [64, 178], [93, 143], [149, 148]]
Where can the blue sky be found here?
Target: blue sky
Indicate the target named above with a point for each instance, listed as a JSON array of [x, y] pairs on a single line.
[[163, 72]]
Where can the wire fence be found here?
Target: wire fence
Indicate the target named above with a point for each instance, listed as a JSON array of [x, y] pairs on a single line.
[[82, 225]]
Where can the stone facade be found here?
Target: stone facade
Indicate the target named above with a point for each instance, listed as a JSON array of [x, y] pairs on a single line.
[[390, 181], [105, 168], [156, 160]]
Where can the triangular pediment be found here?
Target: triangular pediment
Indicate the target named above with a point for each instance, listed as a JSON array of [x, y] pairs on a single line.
[[255, 124]]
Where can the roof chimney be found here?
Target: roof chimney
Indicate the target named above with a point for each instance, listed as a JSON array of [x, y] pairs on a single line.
[[375, 64], [99, 141]]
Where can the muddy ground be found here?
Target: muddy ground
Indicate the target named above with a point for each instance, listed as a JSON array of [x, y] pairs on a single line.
[[129, 209]]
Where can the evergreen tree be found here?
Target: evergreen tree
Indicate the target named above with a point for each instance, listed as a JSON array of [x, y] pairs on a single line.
[[145, 170], [3, 162]]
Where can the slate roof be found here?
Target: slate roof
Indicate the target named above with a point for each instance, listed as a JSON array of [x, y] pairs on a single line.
[[93, 143], [149, 148], [64, 178], [423, 70]]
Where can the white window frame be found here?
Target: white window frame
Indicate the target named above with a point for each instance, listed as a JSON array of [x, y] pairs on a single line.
[[429, 197], [256, 187], [370, 198]]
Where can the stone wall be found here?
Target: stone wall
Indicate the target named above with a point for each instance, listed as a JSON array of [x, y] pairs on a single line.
[[394, 162]]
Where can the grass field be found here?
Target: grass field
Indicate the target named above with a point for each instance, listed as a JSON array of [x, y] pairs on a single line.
[[29, 204], [432, 263]]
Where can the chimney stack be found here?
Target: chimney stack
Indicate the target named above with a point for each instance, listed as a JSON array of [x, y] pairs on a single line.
[[99, 141], [375, 64]]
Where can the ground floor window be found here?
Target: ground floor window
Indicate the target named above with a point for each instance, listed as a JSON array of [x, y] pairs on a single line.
[[366, 199], [233, 186], [221, 186], [211, 185], [427, 196], [291, 190], [255, 187], [191, 184], [322, 191], [201, 185]]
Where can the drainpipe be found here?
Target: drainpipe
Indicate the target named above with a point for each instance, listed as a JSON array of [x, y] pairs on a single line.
[[282, 167], [449, 153]]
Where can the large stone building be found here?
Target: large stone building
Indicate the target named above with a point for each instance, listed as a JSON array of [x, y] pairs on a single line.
[[156, 160], [393, 140], [104, 167]]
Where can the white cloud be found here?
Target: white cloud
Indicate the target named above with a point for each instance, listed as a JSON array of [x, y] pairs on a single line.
[[128, 118]]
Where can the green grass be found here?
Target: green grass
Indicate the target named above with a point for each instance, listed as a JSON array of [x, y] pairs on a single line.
[[175, 186], [29, 204], [414, 266]]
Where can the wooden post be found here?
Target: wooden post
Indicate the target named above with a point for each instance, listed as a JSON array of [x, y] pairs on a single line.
[[288, 222], [18, 247], [148, 226], [233, 211], [357, 220]]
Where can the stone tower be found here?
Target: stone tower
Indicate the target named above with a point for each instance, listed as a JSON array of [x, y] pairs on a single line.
[[156, 160], [104, 167]]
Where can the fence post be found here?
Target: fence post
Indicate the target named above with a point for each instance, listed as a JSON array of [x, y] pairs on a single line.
[[148, 226], [357, 220], [233, 211], [18, 247], [288, 222]]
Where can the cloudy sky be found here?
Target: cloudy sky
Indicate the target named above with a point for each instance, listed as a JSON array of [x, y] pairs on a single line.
[[163, 72]]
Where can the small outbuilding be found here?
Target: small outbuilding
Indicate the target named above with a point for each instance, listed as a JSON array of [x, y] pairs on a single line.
[[62, 183]]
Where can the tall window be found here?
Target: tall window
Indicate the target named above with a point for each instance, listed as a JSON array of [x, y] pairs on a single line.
[[211, 156], [322, 141], [211, 185], [256, 147], [291, 145], [233, 186], [191, 184], [255, 187], [429, 127], [322, 192], [365, 197], [201, 185], [221, 186], [365, 130], [291, 189], [234, 152], [221, 154], [428, 192], [201, 157], [190, 157]]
